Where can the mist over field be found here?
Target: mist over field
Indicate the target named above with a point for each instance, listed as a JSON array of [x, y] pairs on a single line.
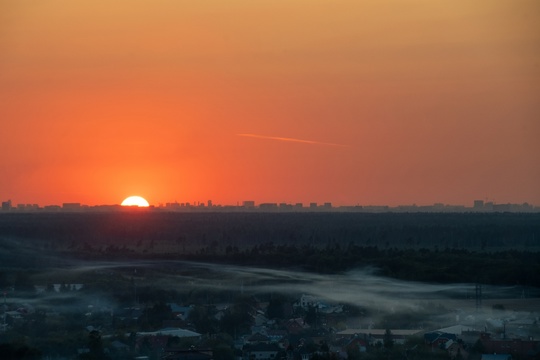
[[124, 273], [363, 287]]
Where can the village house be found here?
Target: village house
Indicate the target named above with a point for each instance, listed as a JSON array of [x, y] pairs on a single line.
[[307, 301], [355, 343], [190, 354], [260, 351], [180, 312], [257, 338], [515, 347], [496, 357], [295, 326], [456, 350], [437, 339], [399, 336]]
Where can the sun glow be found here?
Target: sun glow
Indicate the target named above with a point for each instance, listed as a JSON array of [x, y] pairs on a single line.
[[135, 201]]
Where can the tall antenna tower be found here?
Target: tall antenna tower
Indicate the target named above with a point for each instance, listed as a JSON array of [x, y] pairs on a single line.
[[4, 325], [478, 295]]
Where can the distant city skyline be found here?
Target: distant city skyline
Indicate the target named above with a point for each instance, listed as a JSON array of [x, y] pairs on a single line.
[[192, 202], [351, 102], [250, 205]]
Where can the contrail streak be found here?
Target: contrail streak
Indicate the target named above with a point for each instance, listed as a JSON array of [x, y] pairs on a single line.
[[311, 142]]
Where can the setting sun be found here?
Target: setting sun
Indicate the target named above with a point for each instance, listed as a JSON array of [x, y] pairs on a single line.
[[135, 201]]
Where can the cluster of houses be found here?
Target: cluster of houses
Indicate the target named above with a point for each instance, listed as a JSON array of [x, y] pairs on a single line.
[[269, 344], [458, 341], [292, 338]]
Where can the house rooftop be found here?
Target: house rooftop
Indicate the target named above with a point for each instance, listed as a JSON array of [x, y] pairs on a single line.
[[380, 332], [171, 332], [496, 357], [456, 329]]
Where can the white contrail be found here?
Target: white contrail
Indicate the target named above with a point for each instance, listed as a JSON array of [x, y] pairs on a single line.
[[311, 142]]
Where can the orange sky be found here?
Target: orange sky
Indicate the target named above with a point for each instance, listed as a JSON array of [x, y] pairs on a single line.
[[397, 102]]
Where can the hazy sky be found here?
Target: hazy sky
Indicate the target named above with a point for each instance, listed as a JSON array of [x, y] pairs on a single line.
[[394, 102]]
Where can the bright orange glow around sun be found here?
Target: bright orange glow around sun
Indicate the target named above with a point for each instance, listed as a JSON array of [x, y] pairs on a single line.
[[135, 201]]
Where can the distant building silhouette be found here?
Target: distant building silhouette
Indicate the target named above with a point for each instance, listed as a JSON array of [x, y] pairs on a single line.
[[6, 205], [71, 206], [268, 206], [501, 207]]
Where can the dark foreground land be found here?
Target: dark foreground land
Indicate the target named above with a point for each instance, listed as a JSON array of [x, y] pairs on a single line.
[[98, 285], [493, 248], [471, 231]]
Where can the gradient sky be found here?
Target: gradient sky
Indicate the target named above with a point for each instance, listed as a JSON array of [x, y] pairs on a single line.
[[393, 102]]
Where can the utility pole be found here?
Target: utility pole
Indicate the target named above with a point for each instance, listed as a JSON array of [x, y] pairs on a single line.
[[4, 326], [478, 296]]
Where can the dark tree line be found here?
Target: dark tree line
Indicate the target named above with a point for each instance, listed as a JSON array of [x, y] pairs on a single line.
[[188, 232], [509, 267]]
